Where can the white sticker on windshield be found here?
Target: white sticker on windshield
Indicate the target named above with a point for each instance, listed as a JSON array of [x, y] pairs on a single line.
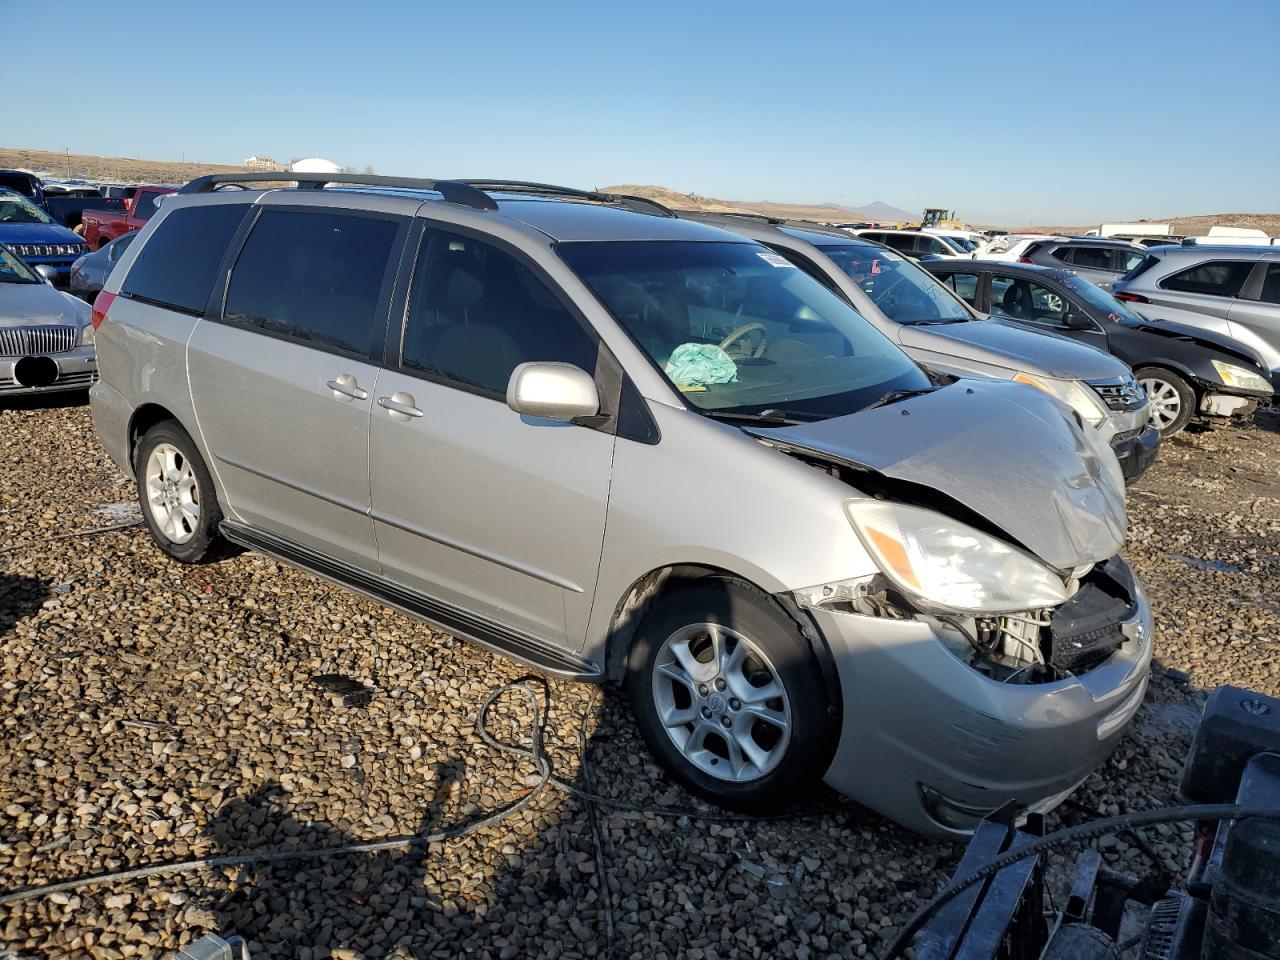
[[775, 260]]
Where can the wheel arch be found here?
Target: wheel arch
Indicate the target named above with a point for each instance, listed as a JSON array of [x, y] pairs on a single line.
[[646, 590], [1191, 379], [143, 419]]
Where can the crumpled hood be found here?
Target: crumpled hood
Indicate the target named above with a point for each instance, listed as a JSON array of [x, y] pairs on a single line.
[[1015, 346], [1205, 338], [1004, 450], [39, 304], [37, 233]]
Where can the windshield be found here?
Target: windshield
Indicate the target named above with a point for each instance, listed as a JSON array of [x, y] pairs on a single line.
[[13, 270], [1099, 299], [736, 327], [903, 292], [17, 209], [958, 244]]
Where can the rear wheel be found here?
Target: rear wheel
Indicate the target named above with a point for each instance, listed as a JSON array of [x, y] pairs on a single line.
[[728, 696], [176, 493], [1173, 402]]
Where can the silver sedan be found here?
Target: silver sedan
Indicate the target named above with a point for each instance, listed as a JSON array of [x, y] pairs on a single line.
[[46, 336]]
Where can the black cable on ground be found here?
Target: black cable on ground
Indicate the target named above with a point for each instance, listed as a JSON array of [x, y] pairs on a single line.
[[537, 752], [1084, 831], [92, 532], [602, 870]]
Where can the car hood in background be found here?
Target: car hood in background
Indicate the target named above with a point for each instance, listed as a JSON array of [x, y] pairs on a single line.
[[1003, 344], [1004, 450], [11, 233], [39, 304]]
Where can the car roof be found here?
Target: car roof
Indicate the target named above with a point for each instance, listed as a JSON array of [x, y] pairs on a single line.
[[1208, 251], [1092, 242], [571, 221], [959, 265]]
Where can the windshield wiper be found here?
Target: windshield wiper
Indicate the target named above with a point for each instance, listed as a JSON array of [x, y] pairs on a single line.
[[939, 322], [772, 417], [893, 396]]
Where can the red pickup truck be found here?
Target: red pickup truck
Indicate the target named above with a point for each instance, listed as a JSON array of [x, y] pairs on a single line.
[[103, 226]]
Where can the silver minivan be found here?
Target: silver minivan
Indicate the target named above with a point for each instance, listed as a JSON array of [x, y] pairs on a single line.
[[621, 445]]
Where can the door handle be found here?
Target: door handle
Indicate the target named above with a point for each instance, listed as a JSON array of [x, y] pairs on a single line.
[[345, 387], [400, 405]]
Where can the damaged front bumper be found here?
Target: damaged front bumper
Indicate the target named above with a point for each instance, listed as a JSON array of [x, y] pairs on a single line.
[[935, 745], [1217, 402], [1136, 451]]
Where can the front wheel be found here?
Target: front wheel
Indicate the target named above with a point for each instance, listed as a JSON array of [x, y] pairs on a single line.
[[1173, 402], [176, 493], [729, 698]]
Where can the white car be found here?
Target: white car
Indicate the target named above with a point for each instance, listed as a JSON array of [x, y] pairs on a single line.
[[1011, 246]]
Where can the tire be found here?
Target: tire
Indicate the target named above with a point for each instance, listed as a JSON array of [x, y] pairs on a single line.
[[702, 742], [176, 495], [1173, 402]]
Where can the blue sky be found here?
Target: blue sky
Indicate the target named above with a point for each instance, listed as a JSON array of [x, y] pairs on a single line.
[[1009, 111]]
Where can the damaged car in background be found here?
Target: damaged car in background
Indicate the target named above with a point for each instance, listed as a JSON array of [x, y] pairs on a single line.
[[656, 452]]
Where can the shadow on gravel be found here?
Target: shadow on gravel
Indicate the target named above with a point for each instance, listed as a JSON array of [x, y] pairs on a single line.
[[19, 597], [46, 401], [356, 905]]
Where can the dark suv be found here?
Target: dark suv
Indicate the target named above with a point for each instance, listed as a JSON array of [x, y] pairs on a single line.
[[1101, 261]]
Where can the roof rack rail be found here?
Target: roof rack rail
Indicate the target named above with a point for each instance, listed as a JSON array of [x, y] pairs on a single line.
[[744, 214], [639, 204], [454, 191]]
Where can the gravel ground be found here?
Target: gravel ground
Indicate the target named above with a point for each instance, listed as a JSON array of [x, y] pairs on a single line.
[[151, 712]]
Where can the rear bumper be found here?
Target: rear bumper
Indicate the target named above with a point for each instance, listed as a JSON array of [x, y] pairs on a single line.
[[111, 415], [922, 728], [77, 370], [1136, 453]]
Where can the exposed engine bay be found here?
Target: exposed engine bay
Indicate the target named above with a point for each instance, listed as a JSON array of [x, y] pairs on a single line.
[[1031, 646]]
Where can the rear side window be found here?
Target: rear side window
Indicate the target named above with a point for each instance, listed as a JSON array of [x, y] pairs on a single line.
[[1091, 258], [1271, 285], [1217, 278], [176, 266], [313, 277], [900, 241], [1126, 260], [477, 312]]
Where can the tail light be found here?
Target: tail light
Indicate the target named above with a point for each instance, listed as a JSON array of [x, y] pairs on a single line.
[[101, 304], [1129, 297], [1026, 260]]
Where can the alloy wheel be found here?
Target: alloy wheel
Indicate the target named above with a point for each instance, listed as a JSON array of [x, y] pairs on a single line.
[[173, 495], [1166, 404], [721, 702]]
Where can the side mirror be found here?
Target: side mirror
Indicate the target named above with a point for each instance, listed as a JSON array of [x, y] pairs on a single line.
[[553, 391], [48, 273], [1077, 321]]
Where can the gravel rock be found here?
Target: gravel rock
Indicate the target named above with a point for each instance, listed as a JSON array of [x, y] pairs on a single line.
[[151, 711]]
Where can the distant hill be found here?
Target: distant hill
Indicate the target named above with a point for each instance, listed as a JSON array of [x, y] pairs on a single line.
[[67, 165], [1194, 226], [819, 212]]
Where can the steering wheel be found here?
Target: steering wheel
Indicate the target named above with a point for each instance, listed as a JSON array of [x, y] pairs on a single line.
[[740, 333]]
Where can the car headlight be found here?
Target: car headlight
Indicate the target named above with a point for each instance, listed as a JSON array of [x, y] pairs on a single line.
[[87, 335], [949, 566], [1071, 392], [1240, 377]]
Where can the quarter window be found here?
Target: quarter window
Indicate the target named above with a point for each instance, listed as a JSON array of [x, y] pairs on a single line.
[[176, 266], [1217, 278], [476, 313], [313, 277], [965, 285], [145, 206]]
